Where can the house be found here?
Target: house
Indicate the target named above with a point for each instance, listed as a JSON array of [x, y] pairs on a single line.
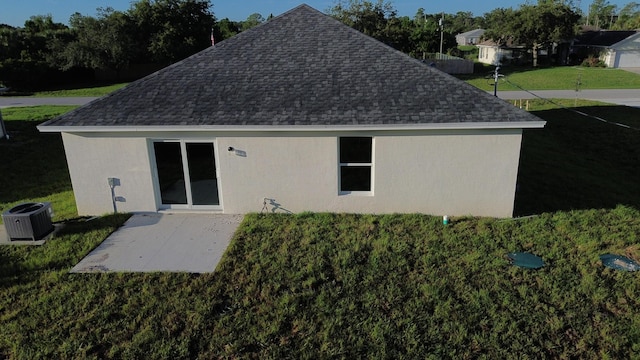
[[301, 113], [489, 52], [470, 37], [617, 49]]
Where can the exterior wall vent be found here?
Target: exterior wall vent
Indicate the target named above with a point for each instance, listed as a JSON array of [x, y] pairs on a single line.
[[28, 221]]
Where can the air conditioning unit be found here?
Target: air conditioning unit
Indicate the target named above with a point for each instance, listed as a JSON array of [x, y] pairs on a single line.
[[28, 221]]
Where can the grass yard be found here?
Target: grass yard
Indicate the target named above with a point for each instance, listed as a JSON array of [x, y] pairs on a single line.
[[92, 90], [98, 90], [555, 78], [351, 286], [33, 164]]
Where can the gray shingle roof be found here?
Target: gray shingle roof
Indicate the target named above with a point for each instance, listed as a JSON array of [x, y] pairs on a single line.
[[300, 68]]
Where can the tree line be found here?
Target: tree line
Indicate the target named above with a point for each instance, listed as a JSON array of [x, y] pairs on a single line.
[[161, 32]]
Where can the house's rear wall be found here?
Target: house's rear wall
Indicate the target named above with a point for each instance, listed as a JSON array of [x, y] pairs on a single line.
[[94, 159], [453, 173]]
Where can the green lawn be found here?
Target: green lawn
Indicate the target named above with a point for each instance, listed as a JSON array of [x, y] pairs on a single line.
[[96, 91], [33, 164], [353, 286], [555, 78]]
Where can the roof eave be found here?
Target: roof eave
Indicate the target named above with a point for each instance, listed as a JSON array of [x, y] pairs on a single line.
[[293, 128]]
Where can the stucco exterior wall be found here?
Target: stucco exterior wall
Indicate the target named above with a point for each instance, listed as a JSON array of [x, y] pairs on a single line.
[[452, 172], [92, 159]]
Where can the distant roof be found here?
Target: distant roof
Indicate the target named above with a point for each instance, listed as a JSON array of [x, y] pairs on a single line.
[[302, 68], [601, 37], [472, 33]]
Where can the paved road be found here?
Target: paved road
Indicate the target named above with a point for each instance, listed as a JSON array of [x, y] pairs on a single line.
[[12, 101], [630, 97]]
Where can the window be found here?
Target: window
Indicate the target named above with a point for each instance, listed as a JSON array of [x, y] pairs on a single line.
[[356, 160]]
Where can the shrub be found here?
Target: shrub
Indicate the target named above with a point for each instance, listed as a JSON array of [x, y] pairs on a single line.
[[592, 61]]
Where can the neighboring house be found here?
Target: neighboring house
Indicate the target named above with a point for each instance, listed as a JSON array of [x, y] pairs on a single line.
[[301, 113], [489, 52], [617, 49], [470, 37]]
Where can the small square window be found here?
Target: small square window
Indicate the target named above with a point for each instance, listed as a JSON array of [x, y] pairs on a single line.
[[355, 164]]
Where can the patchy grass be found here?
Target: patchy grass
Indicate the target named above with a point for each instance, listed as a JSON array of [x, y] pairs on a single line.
[[352, 286], [335, 285], [555, 78]]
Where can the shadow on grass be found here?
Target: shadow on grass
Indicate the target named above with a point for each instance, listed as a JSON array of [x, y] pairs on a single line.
[[33, 164], [577, 162]]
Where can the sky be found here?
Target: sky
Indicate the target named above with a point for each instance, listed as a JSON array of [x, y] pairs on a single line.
[[16, 12]]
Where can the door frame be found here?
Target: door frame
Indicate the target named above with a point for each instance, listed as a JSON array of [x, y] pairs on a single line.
[[185, 173]]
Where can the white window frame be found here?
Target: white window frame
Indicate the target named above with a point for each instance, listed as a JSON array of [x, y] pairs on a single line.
[[371, 166]]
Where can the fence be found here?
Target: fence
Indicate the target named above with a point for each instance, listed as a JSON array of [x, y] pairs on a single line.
[[450, 64]]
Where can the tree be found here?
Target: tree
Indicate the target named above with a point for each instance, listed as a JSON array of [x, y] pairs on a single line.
[[226, 28], [601, 14], [499, 22], [424, 35], [24, 52], [628, 18], [365, 16], [105, 42], [535, 26], [253, 20], [170, 30]]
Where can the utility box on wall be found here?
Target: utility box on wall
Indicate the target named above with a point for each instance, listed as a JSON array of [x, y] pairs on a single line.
[[28, 221]]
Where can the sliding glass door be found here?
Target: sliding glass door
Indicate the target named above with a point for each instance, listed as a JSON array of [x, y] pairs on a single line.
[[186, 174]]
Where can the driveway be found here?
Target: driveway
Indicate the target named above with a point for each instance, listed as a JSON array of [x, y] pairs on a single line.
[[173, 242]]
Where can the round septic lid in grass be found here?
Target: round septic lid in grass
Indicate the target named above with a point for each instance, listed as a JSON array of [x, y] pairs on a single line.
[[619, 262], [525, 260]]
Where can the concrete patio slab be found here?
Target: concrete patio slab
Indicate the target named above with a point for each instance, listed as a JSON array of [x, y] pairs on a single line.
[[172, 242]]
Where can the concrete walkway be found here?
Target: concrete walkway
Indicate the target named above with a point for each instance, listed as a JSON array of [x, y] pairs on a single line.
[[175, 242]]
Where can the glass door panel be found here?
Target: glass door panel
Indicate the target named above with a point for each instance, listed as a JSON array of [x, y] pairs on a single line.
[[170, 172], [202, 174]]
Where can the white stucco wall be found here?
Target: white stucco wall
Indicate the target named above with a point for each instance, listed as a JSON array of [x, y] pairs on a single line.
[[92, 159], [452, 172]]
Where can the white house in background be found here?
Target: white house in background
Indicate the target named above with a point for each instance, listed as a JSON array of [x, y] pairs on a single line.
[[616, 48], [300, 113], [470, 37], [623, 54], [489, 52]]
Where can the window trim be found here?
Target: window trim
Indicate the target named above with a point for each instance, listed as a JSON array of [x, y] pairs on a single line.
[[370, 164]]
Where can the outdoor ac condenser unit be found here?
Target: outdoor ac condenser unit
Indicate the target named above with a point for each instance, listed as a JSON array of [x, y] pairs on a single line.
[[28, 221]]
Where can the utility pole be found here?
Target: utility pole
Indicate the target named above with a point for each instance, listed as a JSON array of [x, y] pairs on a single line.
[[441, 32]]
